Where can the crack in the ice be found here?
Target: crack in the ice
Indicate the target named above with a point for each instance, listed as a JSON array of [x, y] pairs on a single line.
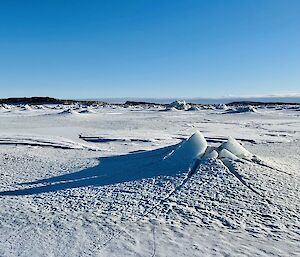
[[154, 241], [261, 163], [233, 171]]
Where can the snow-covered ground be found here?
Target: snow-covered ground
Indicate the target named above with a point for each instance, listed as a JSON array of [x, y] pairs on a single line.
[[114, 181]]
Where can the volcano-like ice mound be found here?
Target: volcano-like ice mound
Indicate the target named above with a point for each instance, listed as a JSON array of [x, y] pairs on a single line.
[[196, 147]]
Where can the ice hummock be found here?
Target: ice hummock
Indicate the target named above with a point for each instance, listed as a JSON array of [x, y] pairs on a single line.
[[68, 112], [86, 111], [194, 108], [245, 109], [221, 107], [6, 106], [195, 147], [26, 107], [178, 105]]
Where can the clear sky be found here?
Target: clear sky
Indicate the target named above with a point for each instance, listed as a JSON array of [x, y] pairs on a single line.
[[149, 48]]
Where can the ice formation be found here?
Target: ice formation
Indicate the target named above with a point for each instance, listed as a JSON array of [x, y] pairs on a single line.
[[26, 107], [179, 105], [194, 147], [68, 111], [245, 109], [194, 108], [86, 111], [224, 153], [213, 154], [235, 148], [222, 107]]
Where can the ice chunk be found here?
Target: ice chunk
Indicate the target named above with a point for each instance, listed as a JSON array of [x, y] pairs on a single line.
[[235, 148], [211, 155], [224, 153], [194, 147]]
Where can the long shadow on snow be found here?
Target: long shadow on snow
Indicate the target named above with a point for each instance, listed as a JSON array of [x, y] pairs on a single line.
[[109, 171]]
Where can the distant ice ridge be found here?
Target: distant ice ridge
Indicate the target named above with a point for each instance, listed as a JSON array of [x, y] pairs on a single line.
[[222, 107], [178, 105], [6, 106], [86, 111], [242, 109], [68, 112], [76, 111], [26, 107]]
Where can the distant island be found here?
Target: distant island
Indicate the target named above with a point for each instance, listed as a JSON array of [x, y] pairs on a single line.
[[43, 100]]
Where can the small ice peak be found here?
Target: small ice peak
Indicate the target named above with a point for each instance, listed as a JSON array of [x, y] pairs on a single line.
[[210, 153], [193, 148], [251, 109], [194, 108], [221, 107], [86, 111], [68, 111], [235, 148], [6, 106], [26, 107], [224, 153]]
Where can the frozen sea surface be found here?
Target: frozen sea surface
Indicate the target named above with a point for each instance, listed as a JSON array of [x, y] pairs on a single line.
[[99, 182]]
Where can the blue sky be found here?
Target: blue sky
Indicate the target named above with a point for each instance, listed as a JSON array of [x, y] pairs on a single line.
[[149, 48]]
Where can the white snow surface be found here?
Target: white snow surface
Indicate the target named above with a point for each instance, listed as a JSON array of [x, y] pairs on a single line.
[[114, 181]]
